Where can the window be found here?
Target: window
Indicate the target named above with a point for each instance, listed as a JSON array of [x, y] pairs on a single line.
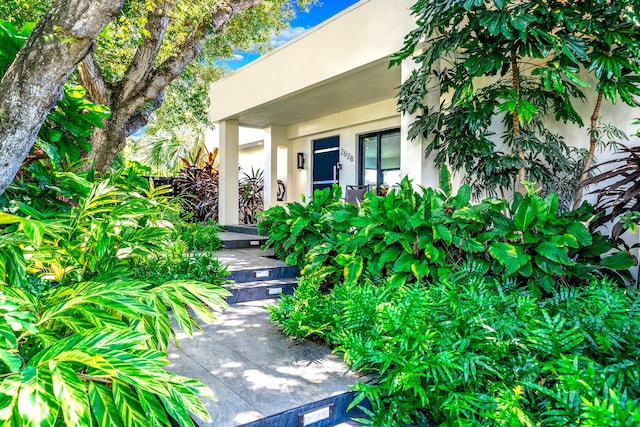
[[380, 159]]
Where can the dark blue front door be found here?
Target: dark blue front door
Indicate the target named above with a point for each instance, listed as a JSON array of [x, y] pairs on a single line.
[[326, 154]]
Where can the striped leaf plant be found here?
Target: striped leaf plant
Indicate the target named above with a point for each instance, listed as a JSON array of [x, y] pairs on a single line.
[[90, 350]]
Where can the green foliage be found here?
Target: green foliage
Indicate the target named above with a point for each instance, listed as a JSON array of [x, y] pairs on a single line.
[[82, 340], [410, 235], [297, 229], [64, 136], [12, 40], [515, 63], [465, 349], [204, 267], [201, 236]]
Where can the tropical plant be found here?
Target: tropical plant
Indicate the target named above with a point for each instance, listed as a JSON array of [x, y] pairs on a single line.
[[251, 188], [620, 196], [200, 236], [160, 269], [515, 62], [410, 235], [465, 349], [90, 347], [197, 185], [81, 363], [296, 229], [163, 150]]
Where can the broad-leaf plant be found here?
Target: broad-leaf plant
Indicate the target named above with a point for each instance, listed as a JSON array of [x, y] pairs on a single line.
[[510, 71]]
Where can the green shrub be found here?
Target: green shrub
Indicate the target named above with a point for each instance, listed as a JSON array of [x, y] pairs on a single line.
[[412, 235], [470, 350], [83, 342], [159, 269], [201, 236], [297, 228]]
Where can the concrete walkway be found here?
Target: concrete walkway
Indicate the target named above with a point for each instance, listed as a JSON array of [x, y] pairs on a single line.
[[261, 377]]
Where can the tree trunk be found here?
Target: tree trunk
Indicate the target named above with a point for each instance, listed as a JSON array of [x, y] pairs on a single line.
[[141, 91], [33, 83], [593, 141], [516, 124]]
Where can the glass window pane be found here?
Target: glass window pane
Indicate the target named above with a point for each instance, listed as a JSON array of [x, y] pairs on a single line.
[[390, 151], [370, 148]]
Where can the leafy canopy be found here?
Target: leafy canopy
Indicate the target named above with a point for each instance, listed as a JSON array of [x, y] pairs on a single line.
[[516, 63]]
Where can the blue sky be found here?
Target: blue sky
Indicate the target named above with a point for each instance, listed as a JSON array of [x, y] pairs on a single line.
[[317, 14]]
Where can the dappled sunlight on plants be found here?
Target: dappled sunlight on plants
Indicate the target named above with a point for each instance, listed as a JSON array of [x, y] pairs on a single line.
[[491, 313]]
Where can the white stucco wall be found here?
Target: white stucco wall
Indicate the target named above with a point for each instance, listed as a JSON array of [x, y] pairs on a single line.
[[362, 34]]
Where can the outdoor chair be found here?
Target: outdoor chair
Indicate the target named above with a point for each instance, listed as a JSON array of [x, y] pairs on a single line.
[[354, 194]]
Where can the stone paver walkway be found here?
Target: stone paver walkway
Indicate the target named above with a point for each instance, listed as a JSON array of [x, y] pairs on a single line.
[[254, 370]]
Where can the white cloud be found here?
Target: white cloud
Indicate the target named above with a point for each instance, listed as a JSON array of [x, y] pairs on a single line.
[[286, 35], [237, 57]]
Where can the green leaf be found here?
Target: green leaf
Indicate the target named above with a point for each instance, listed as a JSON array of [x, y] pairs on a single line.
[[153, 409], [442, 232], [126, 403], [13, 362], [69, 389], [353, 272], [620, 261], [554, 253], [9, 386], [525, 215], [37, 405], [510, 256], [103, 406], [580, 232]]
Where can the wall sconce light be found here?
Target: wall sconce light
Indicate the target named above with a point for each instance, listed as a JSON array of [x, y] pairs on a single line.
[[300, 160]]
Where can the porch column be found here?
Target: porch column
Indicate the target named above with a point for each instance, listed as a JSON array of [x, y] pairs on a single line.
[[273, 136], [228, 205], [412, 157]]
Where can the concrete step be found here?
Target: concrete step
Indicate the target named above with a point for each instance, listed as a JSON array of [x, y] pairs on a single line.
[[244, 229], [258, 374], [263, 274], [233, 240], [327, 412], [259, 290], [253, 265]]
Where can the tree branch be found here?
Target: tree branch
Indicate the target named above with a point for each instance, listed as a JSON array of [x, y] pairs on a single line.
[[171, 68], [141, 117], [142, 64], [91, 77]]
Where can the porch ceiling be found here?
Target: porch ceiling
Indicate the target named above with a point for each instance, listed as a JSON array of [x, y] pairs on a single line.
[[368, 84]]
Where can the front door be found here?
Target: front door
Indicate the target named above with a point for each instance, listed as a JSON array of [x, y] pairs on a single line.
[[326, 154]]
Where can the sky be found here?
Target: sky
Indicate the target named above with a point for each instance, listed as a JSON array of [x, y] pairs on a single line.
[[317, 14]]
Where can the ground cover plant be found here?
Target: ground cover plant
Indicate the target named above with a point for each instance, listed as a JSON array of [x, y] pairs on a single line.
[[200, 236], [493, 313], [468, 349]]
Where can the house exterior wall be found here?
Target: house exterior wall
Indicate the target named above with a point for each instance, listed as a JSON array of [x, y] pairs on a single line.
[[347, 47], [348, 125], [366, 32]]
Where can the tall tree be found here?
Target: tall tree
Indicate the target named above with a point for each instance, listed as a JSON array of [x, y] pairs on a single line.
[[133, 60], [515, 62], [33, 83], [134, 94]]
